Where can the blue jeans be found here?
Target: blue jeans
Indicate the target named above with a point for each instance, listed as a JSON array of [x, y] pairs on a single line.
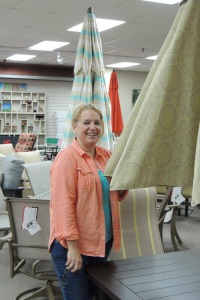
[[75, 286]]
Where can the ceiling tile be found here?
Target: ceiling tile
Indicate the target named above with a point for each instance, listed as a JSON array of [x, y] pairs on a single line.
[[24, 23]]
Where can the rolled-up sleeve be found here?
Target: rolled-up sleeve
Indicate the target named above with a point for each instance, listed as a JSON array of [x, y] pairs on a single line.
[[63, 198]]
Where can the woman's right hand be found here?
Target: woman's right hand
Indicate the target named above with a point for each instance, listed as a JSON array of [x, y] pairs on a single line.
[[74, 259]]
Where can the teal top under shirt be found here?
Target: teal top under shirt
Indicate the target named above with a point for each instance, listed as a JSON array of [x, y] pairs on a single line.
[[106, 205]]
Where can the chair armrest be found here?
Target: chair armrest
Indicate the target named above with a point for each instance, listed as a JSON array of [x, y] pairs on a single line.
[[3, 212], [174, 206]]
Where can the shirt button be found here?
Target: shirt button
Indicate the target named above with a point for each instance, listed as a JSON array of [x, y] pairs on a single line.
[[114, 232], [113, 220]]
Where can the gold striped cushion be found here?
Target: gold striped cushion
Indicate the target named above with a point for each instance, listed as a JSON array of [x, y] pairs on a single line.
[[139, 227]]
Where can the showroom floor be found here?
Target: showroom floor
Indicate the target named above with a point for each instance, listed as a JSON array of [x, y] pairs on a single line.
[[188, 229]]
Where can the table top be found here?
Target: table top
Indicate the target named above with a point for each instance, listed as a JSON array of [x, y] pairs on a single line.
[[168, 276]]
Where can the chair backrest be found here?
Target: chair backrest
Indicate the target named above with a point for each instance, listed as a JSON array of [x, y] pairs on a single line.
[[6, 149], [139, 226], [162, 208], [52, 141], [23, 244], [39, 176]]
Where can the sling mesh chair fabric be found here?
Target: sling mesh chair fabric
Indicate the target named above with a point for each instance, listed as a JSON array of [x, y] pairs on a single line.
[[39, 177], [28, 252], [139, 226]]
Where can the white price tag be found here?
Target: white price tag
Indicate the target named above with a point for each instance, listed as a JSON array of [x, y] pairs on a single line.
[[29, 220]]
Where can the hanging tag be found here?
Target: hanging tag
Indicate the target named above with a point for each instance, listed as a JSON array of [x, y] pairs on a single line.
[[29, 220]]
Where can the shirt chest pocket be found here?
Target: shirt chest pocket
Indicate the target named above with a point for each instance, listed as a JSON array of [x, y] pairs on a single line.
[[86, 180]]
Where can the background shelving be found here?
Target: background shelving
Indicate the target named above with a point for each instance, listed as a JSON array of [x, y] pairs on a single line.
[[23, 112]]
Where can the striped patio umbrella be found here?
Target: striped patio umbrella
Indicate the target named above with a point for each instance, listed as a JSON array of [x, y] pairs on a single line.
[[160, 144], [116, 114], [89, 82]]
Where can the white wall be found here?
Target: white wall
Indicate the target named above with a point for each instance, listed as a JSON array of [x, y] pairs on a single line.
[[127, 81], [58, 94]]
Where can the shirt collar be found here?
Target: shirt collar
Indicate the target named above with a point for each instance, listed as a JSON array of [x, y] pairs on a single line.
[[81, 151]]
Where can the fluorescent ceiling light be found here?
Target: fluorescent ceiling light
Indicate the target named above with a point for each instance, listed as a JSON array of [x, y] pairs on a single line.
[[122, 65], [20, 57], [102, 24], [48, 46], [152, 57], [164, 1]]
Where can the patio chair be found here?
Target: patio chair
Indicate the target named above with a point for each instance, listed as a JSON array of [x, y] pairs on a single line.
[[166, 214], [39, 176], [139, 225], [187, 193], [50, 149], [4, 219], [28, 247]]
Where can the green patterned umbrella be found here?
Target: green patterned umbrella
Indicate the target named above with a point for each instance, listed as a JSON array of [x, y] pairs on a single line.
[[160, 144], [89, 82]]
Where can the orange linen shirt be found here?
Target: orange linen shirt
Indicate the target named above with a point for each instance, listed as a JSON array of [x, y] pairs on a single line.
[[76, 206]]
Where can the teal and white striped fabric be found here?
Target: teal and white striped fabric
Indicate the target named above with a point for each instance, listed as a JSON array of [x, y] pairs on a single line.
[[89, 83]]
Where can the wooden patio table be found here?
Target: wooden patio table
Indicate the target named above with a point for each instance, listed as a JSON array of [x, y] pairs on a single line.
[[168, 276]]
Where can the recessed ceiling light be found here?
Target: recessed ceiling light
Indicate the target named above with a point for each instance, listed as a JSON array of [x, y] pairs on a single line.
[[164, 1], [48, 46], [152, 57], [20, 57], [102, 24], [123, 65]]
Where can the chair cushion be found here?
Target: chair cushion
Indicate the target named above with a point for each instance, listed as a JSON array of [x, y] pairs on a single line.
[[28, 157], [39, 176], [1, 160], [25, 142], [6, 149], [12, 169], [140, 235]]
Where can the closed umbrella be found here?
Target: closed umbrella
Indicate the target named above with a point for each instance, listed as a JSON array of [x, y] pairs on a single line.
[[89, 82], [160, 144], [116, 114]]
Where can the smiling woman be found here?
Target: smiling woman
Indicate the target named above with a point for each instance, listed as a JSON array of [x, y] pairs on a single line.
[[88, 127], [84, 212]]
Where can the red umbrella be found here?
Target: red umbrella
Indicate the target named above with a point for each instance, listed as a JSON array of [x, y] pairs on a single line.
[[116, 114]]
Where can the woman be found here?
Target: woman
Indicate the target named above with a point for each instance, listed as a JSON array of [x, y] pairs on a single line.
[[84, 219]]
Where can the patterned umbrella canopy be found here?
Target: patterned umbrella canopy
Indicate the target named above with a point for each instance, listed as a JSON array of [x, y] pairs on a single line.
[[116, 114], [89, 82], [160, 144]]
